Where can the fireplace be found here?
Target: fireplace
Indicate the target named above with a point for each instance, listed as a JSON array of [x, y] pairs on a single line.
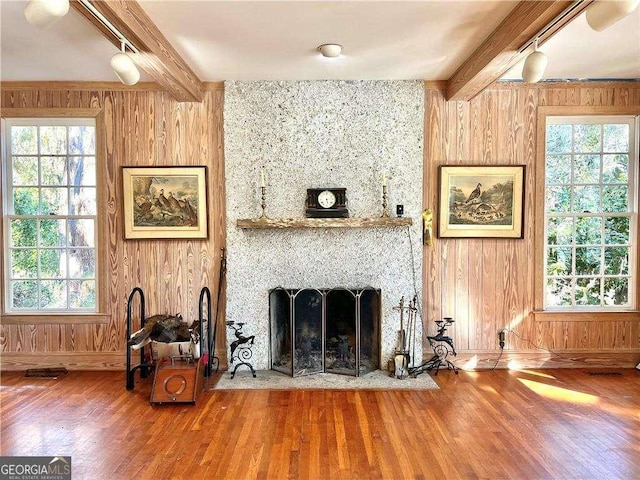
[[325, 330]]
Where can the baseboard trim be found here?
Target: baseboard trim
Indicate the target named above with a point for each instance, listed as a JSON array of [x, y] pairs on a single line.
[[71, 361], [482, 360]]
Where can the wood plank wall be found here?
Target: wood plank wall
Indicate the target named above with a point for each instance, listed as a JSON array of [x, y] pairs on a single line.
[[144, 127], [487, 284]]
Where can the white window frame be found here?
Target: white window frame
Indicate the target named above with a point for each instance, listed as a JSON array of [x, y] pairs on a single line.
[[548, 115], [7, 186]]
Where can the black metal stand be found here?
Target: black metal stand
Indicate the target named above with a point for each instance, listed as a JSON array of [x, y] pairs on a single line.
[[241, 348], [442, 346], [210, 342], [146, 366]]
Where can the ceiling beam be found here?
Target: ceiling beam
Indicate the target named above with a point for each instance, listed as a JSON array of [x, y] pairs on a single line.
[[503, 49], [156, 55]]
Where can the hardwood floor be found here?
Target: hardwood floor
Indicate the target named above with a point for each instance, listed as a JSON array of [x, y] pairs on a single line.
[[561, 424]]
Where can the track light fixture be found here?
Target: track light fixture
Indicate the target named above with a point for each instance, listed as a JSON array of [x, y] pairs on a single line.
[[44, 13], [534, 65], [601, 15], [124, 67]]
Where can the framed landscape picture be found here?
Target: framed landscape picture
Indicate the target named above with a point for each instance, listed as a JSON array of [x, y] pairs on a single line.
[[164, 202], [481, 201]]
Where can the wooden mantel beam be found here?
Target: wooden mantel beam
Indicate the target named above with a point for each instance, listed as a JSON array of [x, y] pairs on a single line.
[[500, 51], [156, 55]]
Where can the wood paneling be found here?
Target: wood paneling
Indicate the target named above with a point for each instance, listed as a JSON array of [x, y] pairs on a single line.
[[141, 128], [488, 285]]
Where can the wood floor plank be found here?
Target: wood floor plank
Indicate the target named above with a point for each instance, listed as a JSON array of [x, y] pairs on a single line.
[[489, 424]]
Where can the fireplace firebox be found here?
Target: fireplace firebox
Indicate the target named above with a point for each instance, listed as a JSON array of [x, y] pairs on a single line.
[[325, 330]]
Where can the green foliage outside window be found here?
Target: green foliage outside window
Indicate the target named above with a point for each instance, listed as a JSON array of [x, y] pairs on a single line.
[[588, 235], [52, 256]]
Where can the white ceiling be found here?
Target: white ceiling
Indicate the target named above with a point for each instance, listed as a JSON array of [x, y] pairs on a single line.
[[266, 40]]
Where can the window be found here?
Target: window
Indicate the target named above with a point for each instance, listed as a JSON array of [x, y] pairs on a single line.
[[590, 213], [50, 215]]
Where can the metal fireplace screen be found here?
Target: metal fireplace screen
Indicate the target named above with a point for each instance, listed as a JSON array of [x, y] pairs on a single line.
[[336, 330]]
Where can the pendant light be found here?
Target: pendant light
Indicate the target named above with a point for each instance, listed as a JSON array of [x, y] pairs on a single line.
[[534, 65], [601, 15], [44, 13], [124, 67]]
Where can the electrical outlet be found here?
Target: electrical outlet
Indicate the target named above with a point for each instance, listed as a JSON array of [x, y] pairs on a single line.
[[501, 338]]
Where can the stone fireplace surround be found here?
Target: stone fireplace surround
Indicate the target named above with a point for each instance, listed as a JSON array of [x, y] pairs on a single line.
[[322, 134]]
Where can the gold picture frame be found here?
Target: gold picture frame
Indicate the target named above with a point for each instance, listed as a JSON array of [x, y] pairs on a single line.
[[481, 201], [164, 202]]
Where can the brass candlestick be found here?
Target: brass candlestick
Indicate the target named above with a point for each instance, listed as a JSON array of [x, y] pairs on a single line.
[[385, 213], [264, 201]]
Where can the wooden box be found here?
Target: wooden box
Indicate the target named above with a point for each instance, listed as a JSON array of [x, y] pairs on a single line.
[[177, 380]]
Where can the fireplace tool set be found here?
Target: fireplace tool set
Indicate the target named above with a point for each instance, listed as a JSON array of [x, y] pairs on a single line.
[[441, 344], [406, 338]]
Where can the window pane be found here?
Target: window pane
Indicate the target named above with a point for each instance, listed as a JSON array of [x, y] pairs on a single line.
[[559, 139], [588, 260], [24, 171], [24, 140], [54, 170], [83, 201], [53, 294], [82, 294], [54, 201], [25, 201], [559, 231], [586, 169], [53, 140], [24, 294], [615, 168], [558, 169], [52, 263], [24, 263], [558, 199], [616, 138], [614, 198], [23, 233], [559, 261], [82, 140], [53, 233], [590, 218], [82, 171], [82, 263], [588, 230], [588, 291], [559, 292], [616, 291], [82, 233], [616, 230], [51, 181], [586, 199], [587, 138], [616, 261]]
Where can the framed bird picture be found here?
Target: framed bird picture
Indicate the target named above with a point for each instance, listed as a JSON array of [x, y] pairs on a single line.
[[481, 201], [164, 202]]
